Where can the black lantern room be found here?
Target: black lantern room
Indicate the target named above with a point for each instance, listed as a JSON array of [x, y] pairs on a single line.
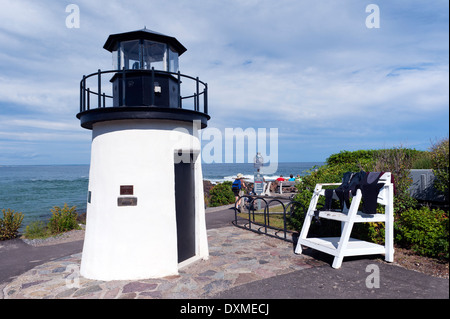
[[145, 83]]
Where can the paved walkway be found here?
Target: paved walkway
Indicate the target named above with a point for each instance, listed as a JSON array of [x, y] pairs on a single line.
[[229, 265], [242, 265]]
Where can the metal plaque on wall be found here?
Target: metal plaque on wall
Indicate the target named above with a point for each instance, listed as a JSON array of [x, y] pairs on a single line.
[[127, 201], [126, 190]]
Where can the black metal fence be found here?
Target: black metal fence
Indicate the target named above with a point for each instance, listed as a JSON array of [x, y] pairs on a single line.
[[94, 95], [258, 214]]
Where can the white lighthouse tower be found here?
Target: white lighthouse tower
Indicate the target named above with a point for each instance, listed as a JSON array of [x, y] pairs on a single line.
[[145, 210]]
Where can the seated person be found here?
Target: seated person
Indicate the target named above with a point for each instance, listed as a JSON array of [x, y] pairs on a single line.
[[280, 179], [291, 178]]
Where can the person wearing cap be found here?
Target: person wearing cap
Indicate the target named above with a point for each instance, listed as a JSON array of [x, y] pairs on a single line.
[[237, 188]]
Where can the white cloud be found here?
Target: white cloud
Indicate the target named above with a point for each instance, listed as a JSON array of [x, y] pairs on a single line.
[[42, 136], [39, 124], [303, 66], [30, 19], [38, 96]]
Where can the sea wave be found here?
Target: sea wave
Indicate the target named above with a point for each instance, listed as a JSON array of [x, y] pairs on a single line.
[[250, 178]]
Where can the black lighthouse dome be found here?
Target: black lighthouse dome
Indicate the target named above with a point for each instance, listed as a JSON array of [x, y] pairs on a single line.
[[145, 83]]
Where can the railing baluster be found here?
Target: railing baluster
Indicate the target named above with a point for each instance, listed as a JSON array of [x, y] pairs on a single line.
[[81, 96], [197, 97], [205, 99], [195, 101], [84, 93], [88, 99], [99, 88]]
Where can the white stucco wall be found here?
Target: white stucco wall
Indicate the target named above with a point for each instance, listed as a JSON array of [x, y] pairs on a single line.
[[136, 242]]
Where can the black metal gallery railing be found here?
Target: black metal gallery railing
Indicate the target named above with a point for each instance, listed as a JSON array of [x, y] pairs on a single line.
[[258, 214], [93, 95]]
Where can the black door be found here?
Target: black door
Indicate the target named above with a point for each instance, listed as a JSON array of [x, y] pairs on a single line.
[[185, 209]]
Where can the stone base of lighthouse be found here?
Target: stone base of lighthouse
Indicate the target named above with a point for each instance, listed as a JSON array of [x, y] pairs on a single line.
[[145, 211]]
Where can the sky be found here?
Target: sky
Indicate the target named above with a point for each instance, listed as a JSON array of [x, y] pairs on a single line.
[[327, 75]]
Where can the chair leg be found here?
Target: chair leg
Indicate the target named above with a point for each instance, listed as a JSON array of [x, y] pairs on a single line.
[[389, 245], [303, 234], [346, 229], [389, 226], [337, 262], [307, 222]]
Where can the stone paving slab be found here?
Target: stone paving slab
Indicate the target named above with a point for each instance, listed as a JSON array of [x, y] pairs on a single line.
[[237, 257]]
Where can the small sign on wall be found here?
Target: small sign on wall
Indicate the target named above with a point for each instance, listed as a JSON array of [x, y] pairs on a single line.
[[126, 190], [127, 201]]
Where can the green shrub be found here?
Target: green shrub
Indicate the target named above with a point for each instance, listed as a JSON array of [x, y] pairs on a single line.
[[346, 157], [398, 161], [372, 232], [422, 161], [367, 158], [221, 194], [10, 224], [440, 163], [424, 231], [63, 219], [36, 229]]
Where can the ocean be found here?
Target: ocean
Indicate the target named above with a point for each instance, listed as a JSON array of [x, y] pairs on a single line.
[[227, 172], [35, 190]]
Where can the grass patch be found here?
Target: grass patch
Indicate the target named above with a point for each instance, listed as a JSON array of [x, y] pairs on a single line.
[[274, 220]]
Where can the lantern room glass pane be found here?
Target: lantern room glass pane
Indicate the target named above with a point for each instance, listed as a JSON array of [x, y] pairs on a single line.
[[154, 55], [115, 59], [130, 55], [173, 60]]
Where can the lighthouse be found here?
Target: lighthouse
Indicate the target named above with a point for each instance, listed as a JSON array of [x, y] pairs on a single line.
[[145, 203]]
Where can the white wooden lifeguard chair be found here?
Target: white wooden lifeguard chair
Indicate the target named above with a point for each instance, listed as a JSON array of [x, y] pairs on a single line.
[[344, 246]]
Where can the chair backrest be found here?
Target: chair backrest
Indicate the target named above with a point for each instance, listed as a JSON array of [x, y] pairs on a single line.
[[288, 183], [383, 195]]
